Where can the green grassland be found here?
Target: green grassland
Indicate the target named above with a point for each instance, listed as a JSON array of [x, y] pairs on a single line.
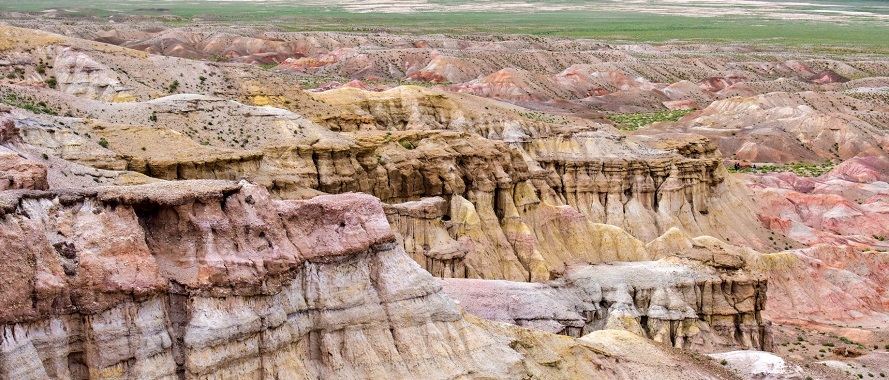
[[636, 120], [799, 168], [870, 34]]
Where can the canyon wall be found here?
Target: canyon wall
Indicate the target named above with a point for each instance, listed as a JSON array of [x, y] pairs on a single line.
[[215, 280]]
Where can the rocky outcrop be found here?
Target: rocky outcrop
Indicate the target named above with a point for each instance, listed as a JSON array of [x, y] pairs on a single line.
[[79, 74], [679, 303], [17, 172]]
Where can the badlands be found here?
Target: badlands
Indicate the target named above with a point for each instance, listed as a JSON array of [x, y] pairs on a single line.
[[217, 202]]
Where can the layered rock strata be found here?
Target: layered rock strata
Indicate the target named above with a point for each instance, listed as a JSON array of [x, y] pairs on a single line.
[[215, 280], [206, 280], [676, 302]]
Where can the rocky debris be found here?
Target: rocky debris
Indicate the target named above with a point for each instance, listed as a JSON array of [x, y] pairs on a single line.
[[671, 301]]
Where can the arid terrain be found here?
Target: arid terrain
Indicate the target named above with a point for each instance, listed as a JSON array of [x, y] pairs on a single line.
[[209, 201]]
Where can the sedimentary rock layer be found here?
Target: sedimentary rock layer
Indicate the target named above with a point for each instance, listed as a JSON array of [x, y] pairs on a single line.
[[213, 280], [674, 302]]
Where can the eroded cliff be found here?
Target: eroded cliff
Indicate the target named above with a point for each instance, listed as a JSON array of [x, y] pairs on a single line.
[[208, 280]]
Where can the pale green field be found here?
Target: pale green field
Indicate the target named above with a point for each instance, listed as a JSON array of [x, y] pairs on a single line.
[[856, 25]]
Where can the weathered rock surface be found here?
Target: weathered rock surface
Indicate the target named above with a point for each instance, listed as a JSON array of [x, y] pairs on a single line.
[[673, 302], [840, 278], [788, 127], [17, 172], [206, 280]]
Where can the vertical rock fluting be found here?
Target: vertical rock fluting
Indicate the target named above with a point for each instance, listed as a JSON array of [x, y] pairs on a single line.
[[674, 302], [499, 201], [212, 280]]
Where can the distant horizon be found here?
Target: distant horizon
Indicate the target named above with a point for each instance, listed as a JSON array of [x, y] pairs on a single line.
[[860, 24]]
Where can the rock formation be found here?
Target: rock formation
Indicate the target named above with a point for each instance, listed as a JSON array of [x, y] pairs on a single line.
[[205, 280], [173, 210], [701, 296]]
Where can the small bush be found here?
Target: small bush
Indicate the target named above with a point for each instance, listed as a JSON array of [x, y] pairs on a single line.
[[153, 117], [406, 144], [51, 82], [723, 362], [103, 142]]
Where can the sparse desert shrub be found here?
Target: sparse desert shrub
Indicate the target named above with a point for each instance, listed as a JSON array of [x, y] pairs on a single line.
[[633, 121], [103, 142]]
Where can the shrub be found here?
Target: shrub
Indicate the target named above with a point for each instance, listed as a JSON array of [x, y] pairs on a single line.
[[51, 82], [723, 362], [103, 142]]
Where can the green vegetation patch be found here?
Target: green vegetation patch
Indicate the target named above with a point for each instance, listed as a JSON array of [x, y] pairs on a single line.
[[598, 19], [26, 102], [799, 168], [634, 121]]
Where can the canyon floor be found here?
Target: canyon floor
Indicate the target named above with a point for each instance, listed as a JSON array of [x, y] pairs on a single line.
[[207, 201]]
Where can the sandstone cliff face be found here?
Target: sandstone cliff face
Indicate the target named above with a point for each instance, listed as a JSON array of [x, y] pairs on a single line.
[[212, 280], [687, 300]]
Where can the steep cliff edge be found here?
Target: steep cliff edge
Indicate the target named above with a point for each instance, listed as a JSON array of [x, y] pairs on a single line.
[[701, 295], [213, 279]]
